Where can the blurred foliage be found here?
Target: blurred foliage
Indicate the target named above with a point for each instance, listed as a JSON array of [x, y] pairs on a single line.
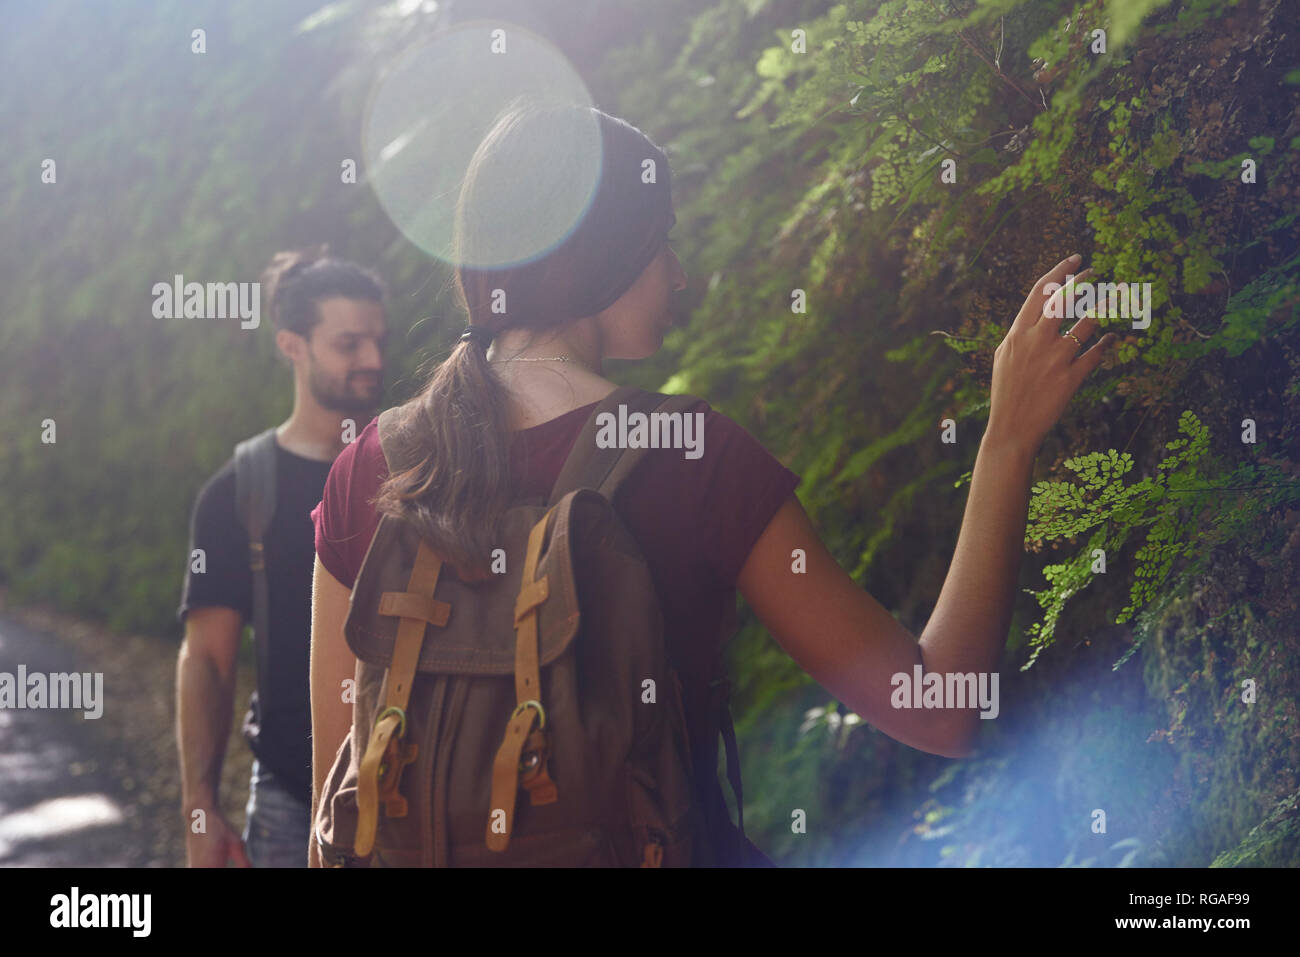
[[818, 172]]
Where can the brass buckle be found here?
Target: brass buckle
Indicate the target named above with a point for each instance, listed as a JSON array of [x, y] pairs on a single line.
[[536, 704], [397, 735], [401, 719]]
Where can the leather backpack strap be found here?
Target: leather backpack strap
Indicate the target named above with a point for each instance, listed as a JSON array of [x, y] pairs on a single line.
[[605, 470], [255, 480], [508, 771], [386, 755], [386, 752]]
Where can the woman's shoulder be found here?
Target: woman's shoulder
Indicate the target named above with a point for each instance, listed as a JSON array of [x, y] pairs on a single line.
[[714, 496], [717, 443], [361, 459], [370, 460]]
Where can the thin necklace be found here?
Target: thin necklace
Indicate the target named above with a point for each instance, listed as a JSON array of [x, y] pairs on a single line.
[[563, 358]]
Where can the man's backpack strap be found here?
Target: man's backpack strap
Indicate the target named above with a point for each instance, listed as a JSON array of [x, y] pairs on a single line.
[[255, 504], [605, 469]]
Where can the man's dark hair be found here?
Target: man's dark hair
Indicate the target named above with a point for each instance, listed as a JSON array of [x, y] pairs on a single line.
[[297, 279]]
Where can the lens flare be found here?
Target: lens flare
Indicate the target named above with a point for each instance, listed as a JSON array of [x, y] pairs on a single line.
[[428, 114]]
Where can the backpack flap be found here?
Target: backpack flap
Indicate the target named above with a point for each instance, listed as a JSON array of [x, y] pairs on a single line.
[[468, 629], [473, 632]]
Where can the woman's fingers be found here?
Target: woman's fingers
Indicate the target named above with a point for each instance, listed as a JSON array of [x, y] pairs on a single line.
[[1033, 307], [1054, 305], [1080, 333], [1083, 365], [1082, 330]]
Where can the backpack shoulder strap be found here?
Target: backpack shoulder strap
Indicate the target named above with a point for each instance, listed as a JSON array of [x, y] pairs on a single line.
[[385, 427], [605, 469], [255, 482], [719, 716], [255, 504]]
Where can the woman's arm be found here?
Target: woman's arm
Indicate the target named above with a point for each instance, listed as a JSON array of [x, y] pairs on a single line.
[[332, 661], [848, 641]]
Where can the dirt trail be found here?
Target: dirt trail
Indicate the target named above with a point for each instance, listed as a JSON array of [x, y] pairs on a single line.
[[100, 792]]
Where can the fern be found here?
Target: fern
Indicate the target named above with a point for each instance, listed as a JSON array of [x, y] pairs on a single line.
[[1103, 503]]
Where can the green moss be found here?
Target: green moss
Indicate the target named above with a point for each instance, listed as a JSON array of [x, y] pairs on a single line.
[[1273, 842], [1237, 760]]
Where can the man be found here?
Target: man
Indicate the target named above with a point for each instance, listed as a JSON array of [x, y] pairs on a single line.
[[331, 326]]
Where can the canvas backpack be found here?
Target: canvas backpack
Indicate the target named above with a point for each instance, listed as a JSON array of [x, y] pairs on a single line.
[[530, 719]]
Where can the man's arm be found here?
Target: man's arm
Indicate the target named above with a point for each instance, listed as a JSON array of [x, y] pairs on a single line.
[[205, 696]]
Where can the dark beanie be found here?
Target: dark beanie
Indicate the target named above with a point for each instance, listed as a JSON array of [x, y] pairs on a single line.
[[623, 227], [627, 222]]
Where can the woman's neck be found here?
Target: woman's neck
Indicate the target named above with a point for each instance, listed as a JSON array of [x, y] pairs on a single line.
[[542, 386], [578, 341], [542, 391]]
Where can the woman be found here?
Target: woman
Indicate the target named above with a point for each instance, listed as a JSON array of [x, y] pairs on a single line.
[[498, 417]]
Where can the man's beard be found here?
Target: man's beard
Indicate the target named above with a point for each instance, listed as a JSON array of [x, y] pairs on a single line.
[[351, 399]]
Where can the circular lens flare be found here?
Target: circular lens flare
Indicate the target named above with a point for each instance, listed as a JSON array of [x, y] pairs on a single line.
[[426, 118]]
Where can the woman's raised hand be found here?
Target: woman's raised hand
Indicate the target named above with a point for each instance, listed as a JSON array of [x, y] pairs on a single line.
[[1037, 369]]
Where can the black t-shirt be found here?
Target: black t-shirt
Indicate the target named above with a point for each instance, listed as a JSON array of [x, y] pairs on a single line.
[[283, 744]]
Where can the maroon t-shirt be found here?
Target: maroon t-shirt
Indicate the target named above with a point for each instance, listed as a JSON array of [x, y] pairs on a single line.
[[695, 519]]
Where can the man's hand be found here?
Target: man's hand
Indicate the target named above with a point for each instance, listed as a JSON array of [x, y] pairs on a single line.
[[220, 843]]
